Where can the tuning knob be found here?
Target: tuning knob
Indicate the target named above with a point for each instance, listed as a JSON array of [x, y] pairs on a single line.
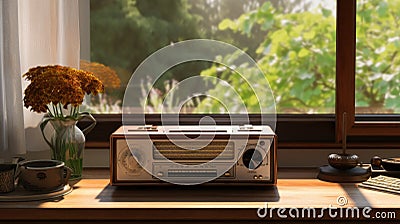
[[252, 158], [132, 164]]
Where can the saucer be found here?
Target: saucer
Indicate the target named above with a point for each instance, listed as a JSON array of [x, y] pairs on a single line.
[[20, 194]]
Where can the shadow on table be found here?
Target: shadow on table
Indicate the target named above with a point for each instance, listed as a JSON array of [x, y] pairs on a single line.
[[189, 194]]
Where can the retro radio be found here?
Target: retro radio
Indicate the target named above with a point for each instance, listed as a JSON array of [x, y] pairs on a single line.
[[244, 155]]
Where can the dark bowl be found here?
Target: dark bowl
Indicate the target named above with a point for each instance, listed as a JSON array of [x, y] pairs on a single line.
[[343, 161], [391, 164]]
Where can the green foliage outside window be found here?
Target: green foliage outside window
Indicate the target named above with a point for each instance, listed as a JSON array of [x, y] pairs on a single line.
[[377, 56], [297, 56]]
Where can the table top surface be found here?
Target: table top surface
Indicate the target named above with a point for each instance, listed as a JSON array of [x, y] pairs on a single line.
[[94, 200], [94, 191]]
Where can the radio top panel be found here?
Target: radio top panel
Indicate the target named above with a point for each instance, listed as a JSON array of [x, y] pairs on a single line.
[[192, 129]]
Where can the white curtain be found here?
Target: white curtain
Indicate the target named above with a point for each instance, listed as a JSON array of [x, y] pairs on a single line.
[[49, 34], [12, 136], [34, 32]]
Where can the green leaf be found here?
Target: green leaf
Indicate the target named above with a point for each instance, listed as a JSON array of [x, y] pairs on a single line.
[[309, 35], [266, 6], [267, 25], [383, 8], [303, 53], [247, 26], [292, 55], [280, 36], [326, 12], [227, 24]]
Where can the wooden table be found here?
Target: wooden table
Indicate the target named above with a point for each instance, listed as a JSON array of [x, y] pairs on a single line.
[[94, 200]]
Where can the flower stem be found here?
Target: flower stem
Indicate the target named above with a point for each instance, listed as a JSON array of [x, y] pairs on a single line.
[[49, 111], [61, 109], [55, 110]]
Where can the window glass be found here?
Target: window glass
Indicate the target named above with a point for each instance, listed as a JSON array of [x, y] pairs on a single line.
[[293, 42], [377, 57]]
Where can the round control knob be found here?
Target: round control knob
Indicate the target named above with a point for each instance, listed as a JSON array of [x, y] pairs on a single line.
[[252, 159]]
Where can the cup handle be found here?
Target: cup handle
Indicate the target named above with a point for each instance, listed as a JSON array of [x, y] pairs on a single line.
[[17, 172], [67, 174]]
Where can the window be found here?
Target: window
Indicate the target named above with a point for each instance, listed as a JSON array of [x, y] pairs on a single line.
[[303, 47], [292, 41], [350, 41]]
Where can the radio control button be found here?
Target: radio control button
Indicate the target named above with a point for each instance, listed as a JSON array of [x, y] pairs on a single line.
[[160, 174], [255, 177], [260, 177], [227, 174]]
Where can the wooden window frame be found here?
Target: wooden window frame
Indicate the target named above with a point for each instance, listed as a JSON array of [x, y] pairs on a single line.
[[345, 81]]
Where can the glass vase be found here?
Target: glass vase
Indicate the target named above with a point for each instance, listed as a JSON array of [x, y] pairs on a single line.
[[67, 141]]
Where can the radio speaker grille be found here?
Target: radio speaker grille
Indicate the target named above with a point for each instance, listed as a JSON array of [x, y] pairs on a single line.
[[192, 151]]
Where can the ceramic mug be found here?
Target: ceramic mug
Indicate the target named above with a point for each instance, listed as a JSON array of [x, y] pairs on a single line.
[[43, 175], [7, 177]]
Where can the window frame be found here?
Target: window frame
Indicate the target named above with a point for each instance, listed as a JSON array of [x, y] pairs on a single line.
[[356, 125], [315, 131]]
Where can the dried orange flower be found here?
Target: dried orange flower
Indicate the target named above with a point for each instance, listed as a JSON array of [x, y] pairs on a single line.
[[106, 74], [54, 87]]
